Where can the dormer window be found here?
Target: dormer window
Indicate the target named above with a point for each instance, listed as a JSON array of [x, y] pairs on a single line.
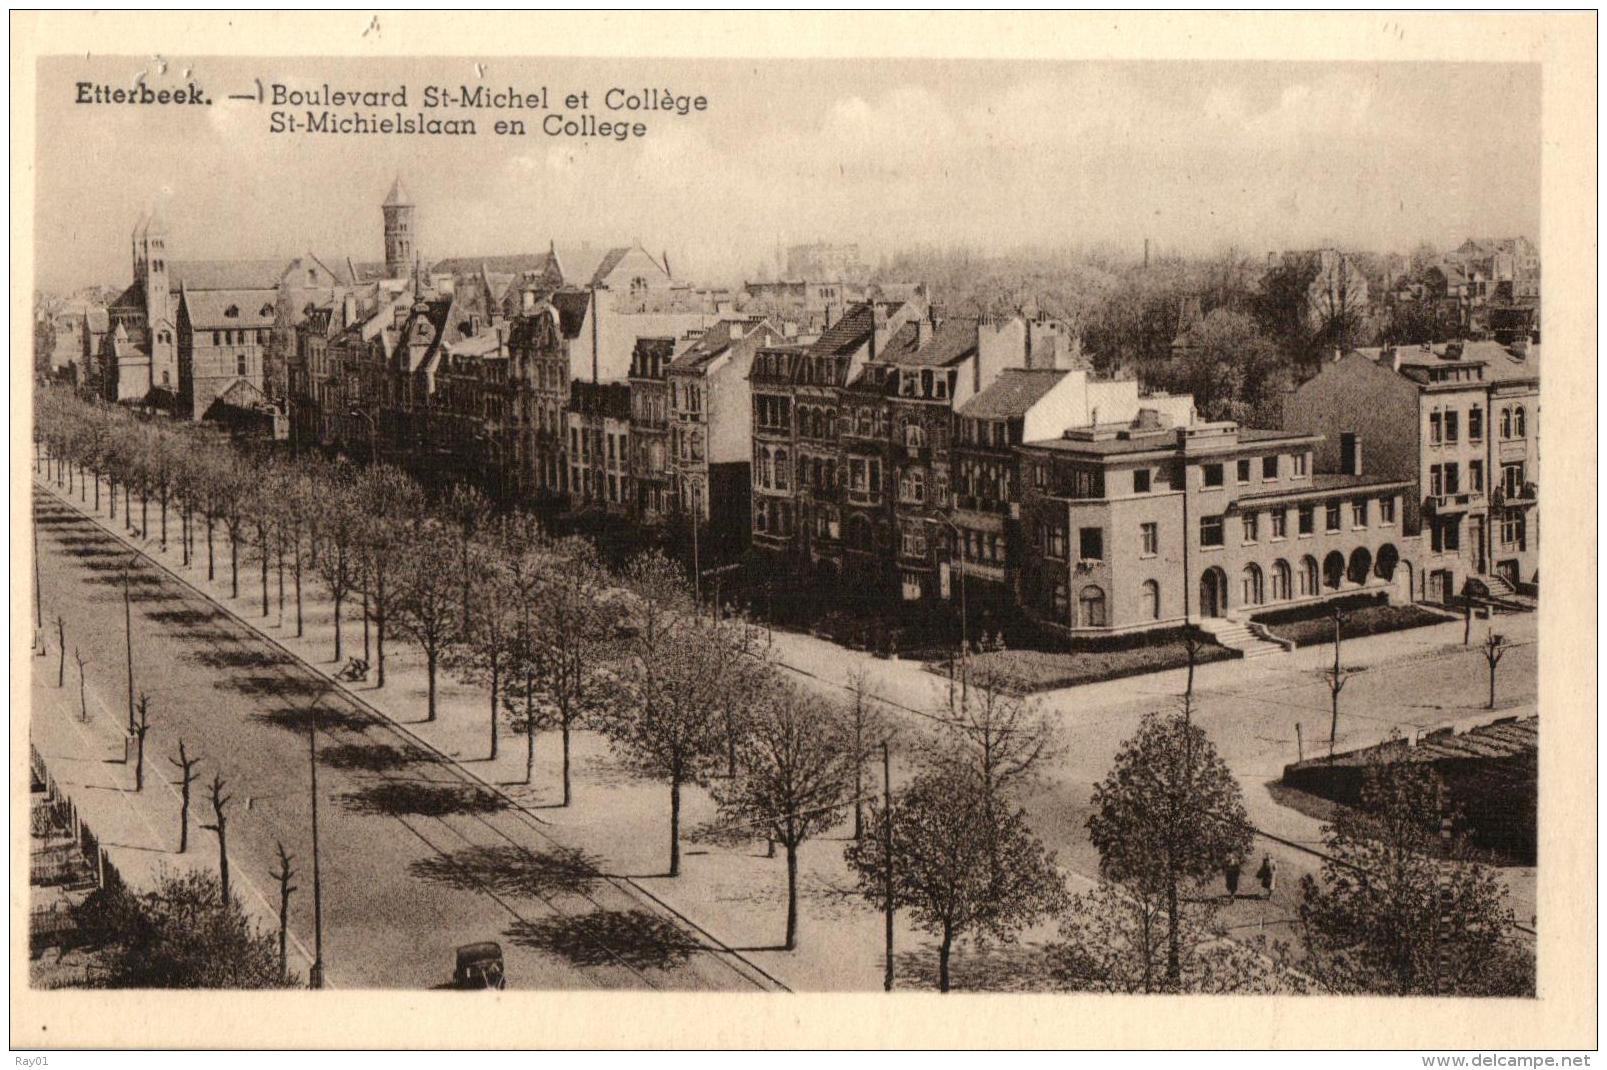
[[266, 310], [232, 312]]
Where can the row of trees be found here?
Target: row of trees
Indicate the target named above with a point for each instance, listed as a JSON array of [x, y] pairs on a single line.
[[561, 643]]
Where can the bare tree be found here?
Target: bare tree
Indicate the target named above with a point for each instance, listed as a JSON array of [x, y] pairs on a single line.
[[868, 728], [1494, 648], [61, 654], [389, 505], [336, 527], [797, 775], [219, 825], [485, 651], [83, 697], [1336, 676], [141, 728], [993, 730], [186, 767], [283, 875]]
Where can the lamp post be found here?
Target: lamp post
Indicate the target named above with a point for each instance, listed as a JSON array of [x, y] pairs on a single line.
[[315, 976], [965, 642], [373, 433]]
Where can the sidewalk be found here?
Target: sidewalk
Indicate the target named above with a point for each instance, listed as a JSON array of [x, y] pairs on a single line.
[[735, 892]]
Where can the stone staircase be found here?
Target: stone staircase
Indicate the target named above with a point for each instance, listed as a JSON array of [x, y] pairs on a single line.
[[1236, 635], [1498, 585]]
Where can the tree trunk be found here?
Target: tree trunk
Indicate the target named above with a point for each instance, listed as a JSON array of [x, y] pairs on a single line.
[[530, 735], [234, 563], [111, 496], [792, 898], [1491, 706], [144, 515], [943, 959], [338, 600], [184, 815], [279, 556], [211, 553], [565, 729], [675, 824], [495, 687], [379, 634], [298, 593], [262, 551], [164, 524], [97, 490], [429, 669], [1174, 968]]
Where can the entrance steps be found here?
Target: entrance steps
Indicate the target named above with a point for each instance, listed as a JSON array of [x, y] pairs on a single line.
[[1238, 635]]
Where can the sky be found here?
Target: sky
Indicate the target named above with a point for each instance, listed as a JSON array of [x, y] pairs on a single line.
[[988, 155]]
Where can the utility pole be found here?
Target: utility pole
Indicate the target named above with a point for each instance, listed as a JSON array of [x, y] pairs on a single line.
[[887, 858], [128, 634], [315, 977]]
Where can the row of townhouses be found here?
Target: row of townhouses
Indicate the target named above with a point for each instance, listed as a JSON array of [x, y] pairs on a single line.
[[878, 449]]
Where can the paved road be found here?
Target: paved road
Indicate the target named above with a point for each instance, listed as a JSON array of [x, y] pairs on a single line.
[[416, 858]]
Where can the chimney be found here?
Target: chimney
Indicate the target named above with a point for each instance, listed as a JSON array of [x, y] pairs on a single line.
[[923, 331]]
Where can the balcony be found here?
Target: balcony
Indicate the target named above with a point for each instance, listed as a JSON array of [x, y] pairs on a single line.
[[974, 504], [863, 497], [1527, 494], [1443, 504]]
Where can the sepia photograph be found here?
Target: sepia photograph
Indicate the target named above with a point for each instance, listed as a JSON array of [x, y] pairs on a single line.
[[787, 524]]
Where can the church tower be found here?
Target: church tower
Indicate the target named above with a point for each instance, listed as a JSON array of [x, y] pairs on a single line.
[[160, 321], [399, 233]]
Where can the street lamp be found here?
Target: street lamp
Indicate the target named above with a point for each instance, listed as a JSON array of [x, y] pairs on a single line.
[[315, 976], [373, 433]]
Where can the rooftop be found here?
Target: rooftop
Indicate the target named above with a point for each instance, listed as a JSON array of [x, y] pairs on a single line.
[[1013, 393], [947, 343]]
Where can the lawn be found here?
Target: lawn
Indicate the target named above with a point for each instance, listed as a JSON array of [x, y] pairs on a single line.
[[1311, 625], [1039, 670]]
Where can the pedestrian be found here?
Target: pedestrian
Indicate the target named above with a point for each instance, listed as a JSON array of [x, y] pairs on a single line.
[[1268, 875], [1230, 875]]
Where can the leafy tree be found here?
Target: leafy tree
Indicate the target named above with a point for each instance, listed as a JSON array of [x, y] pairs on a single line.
[[1398, 910], [1169, 812], [425, 590], [1113, 938], [183, 934], [389, 504], [797, 774], [336, 527], [486, 647], [665, 717], [959, 865]]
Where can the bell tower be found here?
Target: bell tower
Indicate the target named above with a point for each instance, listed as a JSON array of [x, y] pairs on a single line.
[[400, 235]]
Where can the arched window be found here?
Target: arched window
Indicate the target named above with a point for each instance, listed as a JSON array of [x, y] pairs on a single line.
[[1361, 564], [1389, 559], [766, 469], [914, 436], [1251, 585], [1506, 423], [1333, 569], [1091, 607], [783, 470], [1308, 576], [1517, 422], [1281, 577], [1149, 600]]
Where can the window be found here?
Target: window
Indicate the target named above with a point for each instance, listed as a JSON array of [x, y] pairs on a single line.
[[1212, 475], [1058, 604], [1451, 537], [1141, 481], [1512, 528], [1453, 479], [1091, 544], [1308, 516], [1251, 586], [1333, 570], [1512, 480], [1436, 480], [1476, 476], [1386, 510], [1506, 423], [1091, 607], [1149, 539], [1269, 467], [240, 364], [1210, 531], [914, 437], [1518, 430], [1302, 462], [1054, 542], [1308, 576], [1358, 513], [1244, 471], [1333, 516], [783, 470], [1281, 576], [1451, 432], [1436, 424], [1475, 424], [1349, 453], [1149, 600], [1252, 526]]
